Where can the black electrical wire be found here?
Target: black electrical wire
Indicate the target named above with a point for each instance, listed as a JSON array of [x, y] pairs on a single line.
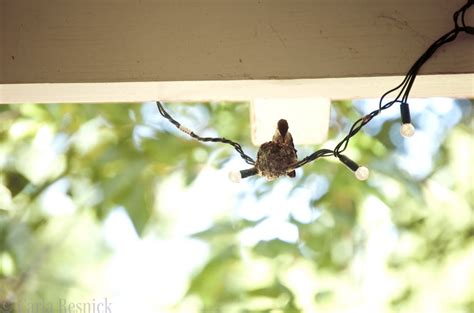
[[405, 86], [404, 89], [234, 144]]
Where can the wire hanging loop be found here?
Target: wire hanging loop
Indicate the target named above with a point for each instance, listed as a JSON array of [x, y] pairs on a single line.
[[404, 88], [189, 132]]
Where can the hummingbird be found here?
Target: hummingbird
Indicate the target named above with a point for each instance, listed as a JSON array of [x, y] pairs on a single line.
[[274, 157], [283, 136]]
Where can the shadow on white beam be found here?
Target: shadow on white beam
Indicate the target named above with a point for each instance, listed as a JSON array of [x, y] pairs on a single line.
[[455, 85]]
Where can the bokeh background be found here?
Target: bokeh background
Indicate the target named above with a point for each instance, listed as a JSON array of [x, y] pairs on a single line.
[[111, 201]]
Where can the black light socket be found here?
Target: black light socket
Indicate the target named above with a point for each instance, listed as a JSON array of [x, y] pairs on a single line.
[[348, 162], [248, 172], [405, 113]]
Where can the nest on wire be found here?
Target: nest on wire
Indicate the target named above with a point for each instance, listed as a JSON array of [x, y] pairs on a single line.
[[274, 158]]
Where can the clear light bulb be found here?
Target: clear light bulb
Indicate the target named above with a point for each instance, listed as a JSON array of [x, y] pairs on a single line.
[[235, 176], [407, 130], [362, 173]]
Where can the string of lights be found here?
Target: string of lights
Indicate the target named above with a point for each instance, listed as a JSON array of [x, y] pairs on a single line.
[[403, 89]]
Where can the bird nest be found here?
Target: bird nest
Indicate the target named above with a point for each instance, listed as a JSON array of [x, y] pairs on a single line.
[[274, 159]]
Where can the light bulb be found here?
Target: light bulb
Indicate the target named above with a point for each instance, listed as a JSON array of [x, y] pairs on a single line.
[[362, 173], [235, 176], [407, 130]]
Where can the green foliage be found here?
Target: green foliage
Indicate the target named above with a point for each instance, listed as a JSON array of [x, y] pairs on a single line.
[[105, 157]]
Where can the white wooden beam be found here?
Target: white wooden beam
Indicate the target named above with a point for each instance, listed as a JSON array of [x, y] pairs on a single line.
[[90, 41], [459, 85]]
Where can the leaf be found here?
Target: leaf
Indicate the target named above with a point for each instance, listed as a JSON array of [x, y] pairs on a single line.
[[224, 229], [275, 247], [15, 182], [210, 283], [138, 208], [402, 298]]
